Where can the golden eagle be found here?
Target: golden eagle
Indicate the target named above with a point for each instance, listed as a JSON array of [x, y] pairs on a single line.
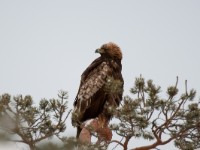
[[101, 87]]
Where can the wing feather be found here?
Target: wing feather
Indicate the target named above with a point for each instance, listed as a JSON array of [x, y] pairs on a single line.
[[95, 80]]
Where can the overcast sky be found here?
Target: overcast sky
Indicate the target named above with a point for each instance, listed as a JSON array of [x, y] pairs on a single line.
[[45, 45]]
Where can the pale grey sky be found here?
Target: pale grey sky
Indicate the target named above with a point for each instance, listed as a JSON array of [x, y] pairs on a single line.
[[46, 45]]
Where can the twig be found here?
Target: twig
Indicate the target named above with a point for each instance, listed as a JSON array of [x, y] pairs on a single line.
[[186, 87], [118, 143]]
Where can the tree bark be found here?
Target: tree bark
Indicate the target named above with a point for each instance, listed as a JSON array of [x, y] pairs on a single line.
[[154, 145]]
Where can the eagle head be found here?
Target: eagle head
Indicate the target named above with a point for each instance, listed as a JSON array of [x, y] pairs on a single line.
[[111, 50]]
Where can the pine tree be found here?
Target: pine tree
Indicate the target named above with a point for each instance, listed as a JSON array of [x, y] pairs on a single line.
[[144, 114]]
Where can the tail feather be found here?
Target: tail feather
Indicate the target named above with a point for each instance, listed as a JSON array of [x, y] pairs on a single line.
[[78, 132]]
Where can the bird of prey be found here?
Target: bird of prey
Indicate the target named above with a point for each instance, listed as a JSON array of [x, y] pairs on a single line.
[[101, 87]]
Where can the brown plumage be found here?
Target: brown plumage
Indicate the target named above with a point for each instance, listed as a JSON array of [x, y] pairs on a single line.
[[101, 87]]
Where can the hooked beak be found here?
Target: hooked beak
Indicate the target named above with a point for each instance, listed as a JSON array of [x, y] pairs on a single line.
[[99, 50]]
